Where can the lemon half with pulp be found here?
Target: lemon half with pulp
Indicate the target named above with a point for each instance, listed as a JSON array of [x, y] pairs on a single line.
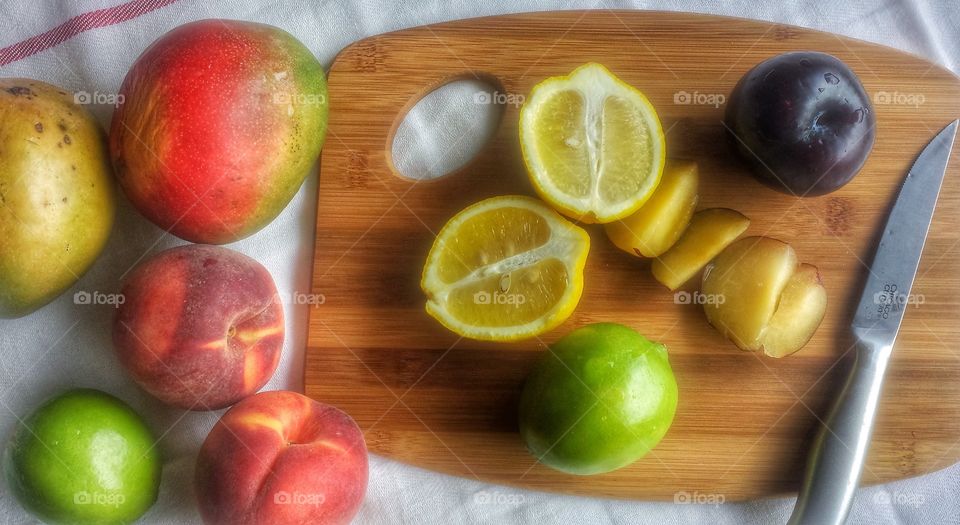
[[505, 268], [592, 144]]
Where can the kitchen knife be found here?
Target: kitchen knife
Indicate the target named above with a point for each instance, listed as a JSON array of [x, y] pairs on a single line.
[[840, 448]]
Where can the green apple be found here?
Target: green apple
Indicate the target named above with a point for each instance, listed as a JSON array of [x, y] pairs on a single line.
[[601, 398], [83, 457]]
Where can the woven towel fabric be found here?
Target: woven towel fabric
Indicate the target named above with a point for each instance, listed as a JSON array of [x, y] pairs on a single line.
[[87, 45]]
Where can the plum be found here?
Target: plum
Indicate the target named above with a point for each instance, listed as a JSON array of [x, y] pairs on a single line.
[[802, 121]]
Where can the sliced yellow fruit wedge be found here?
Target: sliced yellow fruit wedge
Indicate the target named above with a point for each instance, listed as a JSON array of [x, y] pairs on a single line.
[[803, 304], [593, 145], [710, 231], [657, 225], [505, 268], [747, 279]]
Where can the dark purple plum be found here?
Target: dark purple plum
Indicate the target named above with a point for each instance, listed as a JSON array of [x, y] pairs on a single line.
[[802, 121]]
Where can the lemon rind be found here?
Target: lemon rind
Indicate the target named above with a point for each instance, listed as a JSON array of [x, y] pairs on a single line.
[[568, 244], [593, 209]]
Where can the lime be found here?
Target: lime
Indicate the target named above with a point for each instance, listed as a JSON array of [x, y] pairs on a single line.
[[601, 398]]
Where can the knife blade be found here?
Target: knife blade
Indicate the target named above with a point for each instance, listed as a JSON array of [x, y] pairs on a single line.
[[839, 450]]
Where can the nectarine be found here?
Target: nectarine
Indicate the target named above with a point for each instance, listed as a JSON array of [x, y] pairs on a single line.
[[281, 458], [201, 327]]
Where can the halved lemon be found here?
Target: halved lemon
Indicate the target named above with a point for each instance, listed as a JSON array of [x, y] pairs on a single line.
[[593, 145], [505, 268]]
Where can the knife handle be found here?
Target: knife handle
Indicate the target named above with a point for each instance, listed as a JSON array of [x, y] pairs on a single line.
[[840, 448]]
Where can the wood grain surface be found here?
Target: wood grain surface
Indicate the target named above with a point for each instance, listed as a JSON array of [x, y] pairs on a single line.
[[744, 421]]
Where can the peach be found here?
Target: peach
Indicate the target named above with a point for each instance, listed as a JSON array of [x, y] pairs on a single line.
[[280, 457], [200, 327]]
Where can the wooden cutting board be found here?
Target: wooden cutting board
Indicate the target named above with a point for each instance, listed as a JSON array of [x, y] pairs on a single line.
[[744, 422]]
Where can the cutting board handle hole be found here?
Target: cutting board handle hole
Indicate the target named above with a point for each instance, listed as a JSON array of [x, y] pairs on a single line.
[[446, 126]]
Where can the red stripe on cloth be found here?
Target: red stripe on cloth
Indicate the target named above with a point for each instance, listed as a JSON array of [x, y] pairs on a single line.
[[79, 24]]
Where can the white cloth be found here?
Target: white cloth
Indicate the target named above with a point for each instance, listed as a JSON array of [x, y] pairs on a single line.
[[68, 345]]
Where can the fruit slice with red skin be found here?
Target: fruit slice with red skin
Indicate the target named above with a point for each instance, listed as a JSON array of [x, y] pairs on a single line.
[[746, 281], [709, 232], [219, 124], [281, 458], [657, 225], [201, 326], [803, 304], [767, 301]]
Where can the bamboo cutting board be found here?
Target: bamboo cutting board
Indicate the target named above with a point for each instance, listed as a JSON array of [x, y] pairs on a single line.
[[744, 422]]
